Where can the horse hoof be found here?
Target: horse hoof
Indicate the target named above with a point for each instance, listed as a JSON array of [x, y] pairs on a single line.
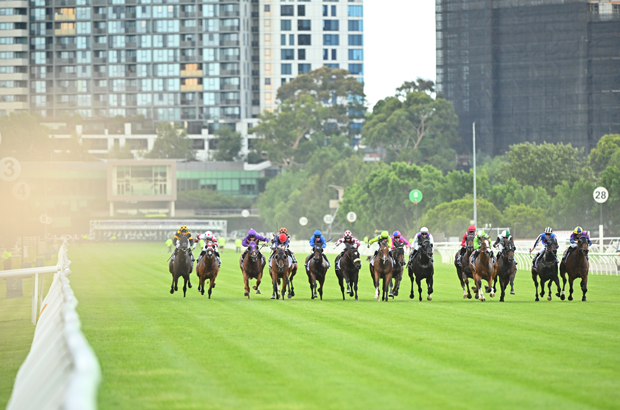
[[562, 297], [464, 296], [482, 300], [549, 297], [468, 296], [476, 296], [396, 293], [189, 285], [292, 293], [583, 299], [254, 287], [492, 295], [171, 291], [411, 296], [537, 299], [247, 294], [273, 297], [570, 298], [289, 296], [512, 292], [213, 284], [429, 297], [202, 293], [176, 288], [356, 299], [258, 291]]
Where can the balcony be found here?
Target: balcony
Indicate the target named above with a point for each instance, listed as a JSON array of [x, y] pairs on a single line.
[[97, 16], [64, 17], [100, 46], [229, 58], [254, 43], [70, 46], [100, 74], [64, 90], [255, 58], [191, 87], [65, 32], [100, 60], [131, 44], [100, 103], [255, 14], [229, 72], [65, 2], [229, 43], [229, 28], [99, 31], [188, 58], [189, 14], [66, 61], [188, 43], [66, 104], [231, 14], [229, 87], [230, 102], [191, 73], [100, 89]]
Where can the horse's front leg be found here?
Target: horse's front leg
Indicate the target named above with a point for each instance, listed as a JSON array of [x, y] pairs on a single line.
[[549, 288], [535, 279], [466, 280], [570, 283], [418, 280], [185, 280], [429, 286], [355, 287], [340, 282], [274, 286], [246, 283], [172, 286], [284, 284], [502, 285], [542, 286], [412, 294], [563, 274], [478, 281], [201, 284], [584, 287], [491, 288], [258, 279]]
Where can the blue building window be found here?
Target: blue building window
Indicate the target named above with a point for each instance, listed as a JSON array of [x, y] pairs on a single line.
[[325, 54], [286, 69], [285, 25], [330, 25], [287, 10], [304, 39], [356, 54], [332, 65], [325, 10], [331, 40], [287, 54], [283, 39], [356, 25], [356, 69], [356, 11], [304, 25], [356, 39], [303, 68]]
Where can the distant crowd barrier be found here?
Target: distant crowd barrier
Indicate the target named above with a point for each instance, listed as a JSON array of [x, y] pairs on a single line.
[[61, 371]]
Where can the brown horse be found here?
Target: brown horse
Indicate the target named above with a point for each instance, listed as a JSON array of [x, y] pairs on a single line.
[[577, 266], [252, 266], [181, 265], [280, 270], [398, 253], [292, 273], [316, 268], [506, 268], [484, 267], [463, 271], [207, 268], [350, 265], [383, 269]]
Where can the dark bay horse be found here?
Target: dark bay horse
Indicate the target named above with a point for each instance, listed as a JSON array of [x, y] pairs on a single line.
[[506, 268], [547, 269], [181, 266], [463, 271], [382, 270], [292, 273], [316, 268], [577, 266], [422, 267], [484, 267], [350, 265], [398, 253], [279, 270], [207, 268], [252, 268]]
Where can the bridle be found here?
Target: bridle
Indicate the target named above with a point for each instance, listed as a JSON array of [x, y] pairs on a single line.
[[355, 258], [280, 257]]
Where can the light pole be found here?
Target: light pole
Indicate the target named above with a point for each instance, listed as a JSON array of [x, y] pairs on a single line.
[[473, 126]]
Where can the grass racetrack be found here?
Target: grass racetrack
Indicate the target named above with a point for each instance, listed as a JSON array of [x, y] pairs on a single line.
[[162, 351]]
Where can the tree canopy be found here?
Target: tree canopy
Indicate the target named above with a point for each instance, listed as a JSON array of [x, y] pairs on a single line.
[[607, 152], [171, 143], [25, 138], [228, 145]]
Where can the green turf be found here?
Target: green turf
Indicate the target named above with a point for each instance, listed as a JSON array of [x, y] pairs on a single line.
[[161, 351]]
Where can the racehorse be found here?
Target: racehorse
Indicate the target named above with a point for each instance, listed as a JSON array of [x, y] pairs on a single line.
[[350, 265], [463, 271], [383, 270], [577, 266], [506, 269], [484, 267], [207, 268], [181, 266], [316, 268], [293, 272], [252, 268], [280, 269], [547, 269], [398, 253], [422, 266]]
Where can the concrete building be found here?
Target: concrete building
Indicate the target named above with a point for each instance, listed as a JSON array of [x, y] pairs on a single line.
[[530, 70], [13, 56]]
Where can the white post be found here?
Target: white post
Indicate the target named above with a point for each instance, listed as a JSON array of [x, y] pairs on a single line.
[[600, 239], [172, 208], [474, 161], [35, 297]]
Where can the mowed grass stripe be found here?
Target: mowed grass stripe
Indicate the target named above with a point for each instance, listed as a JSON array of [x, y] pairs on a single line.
[[163, 351]]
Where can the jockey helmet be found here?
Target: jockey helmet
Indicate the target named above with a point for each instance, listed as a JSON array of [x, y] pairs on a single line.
[[503, 234], [347, 234], [251, 232], [385, 235], [578, 230], [396, 234], [317, 233], [424, 229], [282, 237], [283, 230], [472, 228], [548, 230], [482, 234], [209, 234], [183, 228], [507, 233]]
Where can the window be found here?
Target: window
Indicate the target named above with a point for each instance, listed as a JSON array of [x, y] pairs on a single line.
[[285, 25], [303, 39], [356, 25], [301, 54], [303, 25], [287, 54], [283, 39], [356, 11], [333, 11], [331, 40], [325, 54], [301, 10], [330, 25], [267, 81], [283, 81], [287, 10], [285, 69], [332, 66], [356, 40], [356, 69], [291, 39], [268, 8], [303, 68], [356, 54], [334, 54]]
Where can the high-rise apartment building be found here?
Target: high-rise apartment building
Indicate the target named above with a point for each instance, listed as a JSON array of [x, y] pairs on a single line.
[[200, 62], [532, 70]]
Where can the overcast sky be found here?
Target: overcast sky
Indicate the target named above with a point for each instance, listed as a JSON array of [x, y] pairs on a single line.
[[399, 44]]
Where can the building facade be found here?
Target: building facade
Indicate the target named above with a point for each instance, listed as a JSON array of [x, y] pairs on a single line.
[[533, 70]]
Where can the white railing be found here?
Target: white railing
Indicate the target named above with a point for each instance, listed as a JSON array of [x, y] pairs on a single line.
[[61, 370]]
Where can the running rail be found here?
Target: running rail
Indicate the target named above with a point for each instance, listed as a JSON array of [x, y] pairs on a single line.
[[61, 370]]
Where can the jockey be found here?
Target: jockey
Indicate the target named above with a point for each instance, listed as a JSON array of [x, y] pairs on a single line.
[[208, 238], [319, 239], [252, 237], [383, 237], [275, 240], [347, 239], [419, 239], [543, 238], [398, 239], [183, 231], [574, 239], [471, 230], [481, 236], [501, 240]]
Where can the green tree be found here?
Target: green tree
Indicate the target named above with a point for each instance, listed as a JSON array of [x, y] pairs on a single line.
[[419, 130], [610, 179], [607, 152], [420, 84], [120, 152], [573, 205], [228, 144], [512, 193], [526, 222], [25, 138], [545, 165], [72, 149], [452, 218], [208, 199], [171, 143]]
